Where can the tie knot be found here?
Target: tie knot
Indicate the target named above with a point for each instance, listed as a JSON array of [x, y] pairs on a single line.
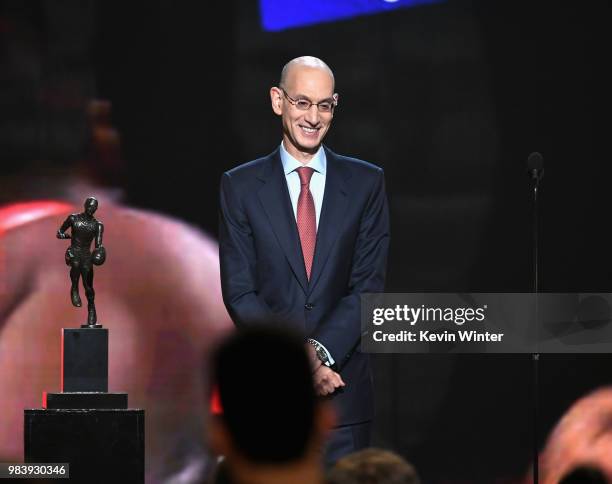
[[305, 173]]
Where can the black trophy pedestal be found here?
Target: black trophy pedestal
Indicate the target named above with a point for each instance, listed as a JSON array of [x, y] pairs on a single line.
[[101, 446], [84, 425]]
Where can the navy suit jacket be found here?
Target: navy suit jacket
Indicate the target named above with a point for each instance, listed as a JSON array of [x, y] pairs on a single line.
[[262, 269]]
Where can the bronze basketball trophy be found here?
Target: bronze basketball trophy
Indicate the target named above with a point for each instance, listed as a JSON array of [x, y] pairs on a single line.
[[84, 229], [84, 425]]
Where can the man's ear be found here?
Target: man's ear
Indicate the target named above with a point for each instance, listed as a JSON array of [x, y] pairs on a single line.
[[276, 98], [218, 437]]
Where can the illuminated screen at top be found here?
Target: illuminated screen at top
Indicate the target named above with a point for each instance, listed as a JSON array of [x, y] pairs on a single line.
[[285, 14]]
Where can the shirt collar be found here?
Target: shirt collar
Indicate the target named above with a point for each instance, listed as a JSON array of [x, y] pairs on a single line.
[[317, 163]]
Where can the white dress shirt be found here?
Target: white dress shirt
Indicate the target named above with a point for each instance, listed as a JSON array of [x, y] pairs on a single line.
[[317, 183]]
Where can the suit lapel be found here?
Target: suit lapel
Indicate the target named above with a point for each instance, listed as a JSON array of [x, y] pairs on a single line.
[[335, 203], [274, 197]]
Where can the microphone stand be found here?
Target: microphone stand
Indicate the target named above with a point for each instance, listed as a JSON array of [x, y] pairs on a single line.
[[536, 175]]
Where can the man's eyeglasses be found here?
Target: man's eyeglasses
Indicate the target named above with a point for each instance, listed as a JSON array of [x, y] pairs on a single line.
[[326, 106]]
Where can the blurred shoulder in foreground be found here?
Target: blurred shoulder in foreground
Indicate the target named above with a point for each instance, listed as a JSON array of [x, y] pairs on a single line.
[[582, 437]]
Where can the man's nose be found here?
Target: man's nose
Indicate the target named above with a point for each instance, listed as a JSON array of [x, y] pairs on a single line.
[[312, 115]]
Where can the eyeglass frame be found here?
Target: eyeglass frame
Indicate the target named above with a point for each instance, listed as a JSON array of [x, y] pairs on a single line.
[[293, 102]]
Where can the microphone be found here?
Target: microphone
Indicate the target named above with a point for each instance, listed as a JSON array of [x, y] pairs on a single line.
[[535, 166]]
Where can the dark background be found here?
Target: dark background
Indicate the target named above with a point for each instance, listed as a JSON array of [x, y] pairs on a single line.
[[449, 99]]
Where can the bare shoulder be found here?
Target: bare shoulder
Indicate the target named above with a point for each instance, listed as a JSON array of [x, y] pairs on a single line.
[[165, 272], [166, 236], [153, 253]]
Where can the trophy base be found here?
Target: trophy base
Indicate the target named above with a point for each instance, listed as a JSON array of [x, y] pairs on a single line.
[[91, 326], [101, 446], [84, 400]]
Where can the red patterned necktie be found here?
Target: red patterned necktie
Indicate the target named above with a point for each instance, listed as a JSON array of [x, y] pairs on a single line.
[[306, 218]]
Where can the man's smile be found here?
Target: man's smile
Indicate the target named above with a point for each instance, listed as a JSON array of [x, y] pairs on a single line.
[[308, 130]]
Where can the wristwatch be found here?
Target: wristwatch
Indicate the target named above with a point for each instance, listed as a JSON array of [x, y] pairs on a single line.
[[322, 354]]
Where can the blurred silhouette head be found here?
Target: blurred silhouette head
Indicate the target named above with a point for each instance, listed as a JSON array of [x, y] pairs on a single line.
[[584, 475], [265, 389], [372, 466], [582, 437]]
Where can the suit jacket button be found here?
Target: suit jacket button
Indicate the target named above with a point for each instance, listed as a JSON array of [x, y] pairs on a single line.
[[308, 306]]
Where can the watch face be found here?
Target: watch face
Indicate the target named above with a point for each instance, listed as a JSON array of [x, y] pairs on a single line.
[[321, 354]]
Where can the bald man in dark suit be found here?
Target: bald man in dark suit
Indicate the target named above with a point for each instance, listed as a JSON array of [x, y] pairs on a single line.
[[303, 233]]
